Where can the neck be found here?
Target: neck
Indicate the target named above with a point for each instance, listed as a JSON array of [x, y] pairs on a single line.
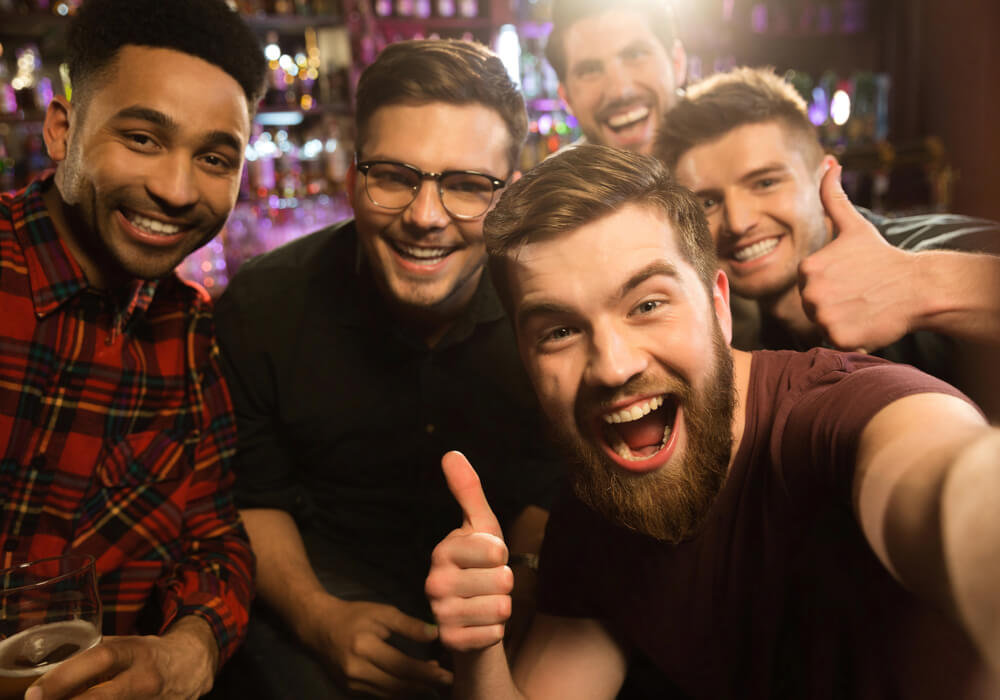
[[787, 310], [741, 379]]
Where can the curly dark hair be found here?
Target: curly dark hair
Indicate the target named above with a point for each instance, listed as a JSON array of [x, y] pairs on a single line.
[[207, 29], [453, 71]]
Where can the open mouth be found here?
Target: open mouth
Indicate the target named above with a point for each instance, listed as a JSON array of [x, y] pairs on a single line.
[[151, 227], [421, 255], [624, 120], [755, 250], [639, 434]]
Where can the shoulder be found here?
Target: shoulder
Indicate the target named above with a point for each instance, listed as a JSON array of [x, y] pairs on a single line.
[[938, 232], [289, 269]]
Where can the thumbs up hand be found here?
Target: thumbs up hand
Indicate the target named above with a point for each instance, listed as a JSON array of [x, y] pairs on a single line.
[[469, 583], [858, 288]]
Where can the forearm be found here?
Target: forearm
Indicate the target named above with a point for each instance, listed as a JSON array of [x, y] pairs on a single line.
[[286, 580], [958, 295], [970, 522], [484, 675]]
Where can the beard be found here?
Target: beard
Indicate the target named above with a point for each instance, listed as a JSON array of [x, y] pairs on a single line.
[[668, 504]]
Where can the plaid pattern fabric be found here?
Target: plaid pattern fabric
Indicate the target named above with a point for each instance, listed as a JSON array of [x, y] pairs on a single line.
[[116, 433]]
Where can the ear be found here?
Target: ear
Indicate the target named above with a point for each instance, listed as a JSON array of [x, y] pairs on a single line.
[[720, 302], [565, 100], [678, 58], [55, 129]]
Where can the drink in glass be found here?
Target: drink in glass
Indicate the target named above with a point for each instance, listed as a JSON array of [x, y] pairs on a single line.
[[49, 610]]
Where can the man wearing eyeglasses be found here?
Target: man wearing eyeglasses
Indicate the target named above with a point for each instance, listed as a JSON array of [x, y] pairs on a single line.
[[358, 356]]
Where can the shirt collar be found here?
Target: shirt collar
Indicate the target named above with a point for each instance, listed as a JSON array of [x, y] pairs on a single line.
[[55, 276]]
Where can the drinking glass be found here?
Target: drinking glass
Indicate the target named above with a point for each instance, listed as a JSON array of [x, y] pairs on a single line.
[[49, 610]]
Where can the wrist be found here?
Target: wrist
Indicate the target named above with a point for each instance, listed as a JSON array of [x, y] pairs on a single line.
[[195, 651]]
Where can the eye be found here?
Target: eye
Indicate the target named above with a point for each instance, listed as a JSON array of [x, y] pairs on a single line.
[[709, 204], [765, 183], [554, 338], [646, 307], [217, 162], [634, 53], [588, 69], [141, 142]]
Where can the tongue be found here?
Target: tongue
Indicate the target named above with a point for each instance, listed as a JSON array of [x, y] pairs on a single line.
[[645, 432]]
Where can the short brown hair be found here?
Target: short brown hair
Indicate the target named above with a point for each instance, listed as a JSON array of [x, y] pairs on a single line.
[[566, 13], [582, 185], [421, 71], [724, 101]]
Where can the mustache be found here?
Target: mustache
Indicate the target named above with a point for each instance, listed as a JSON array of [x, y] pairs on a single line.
[[593, 401]]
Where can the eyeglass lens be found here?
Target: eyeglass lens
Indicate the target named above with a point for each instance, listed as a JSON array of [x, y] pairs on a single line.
[[395, 186]]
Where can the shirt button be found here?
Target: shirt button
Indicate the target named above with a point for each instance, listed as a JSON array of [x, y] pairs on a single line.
[[429, 428]]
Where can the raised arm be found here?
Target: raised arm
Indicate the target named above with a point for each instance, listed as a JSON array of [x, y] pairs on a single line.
[[927, 492], [469, 588]]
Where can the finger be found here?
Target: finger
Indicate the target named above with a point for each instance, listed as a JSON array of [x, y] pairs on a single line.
[[394, 620], [846, 219], [391, 663], [463, 482], [482, 551], [81, 671], [480, 611]]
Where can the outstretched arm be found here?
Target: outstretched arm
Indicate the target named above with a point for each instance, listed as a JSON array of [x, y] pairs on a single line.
[[469, 588], [927, 493]]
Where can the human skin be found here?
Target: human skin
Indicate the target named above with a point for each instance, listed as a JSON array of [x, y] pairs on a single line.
[[149, 169]]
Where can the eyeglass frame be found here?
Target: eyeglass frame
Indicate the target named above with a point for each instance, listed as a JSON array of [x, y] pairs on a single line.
[[363, 166]]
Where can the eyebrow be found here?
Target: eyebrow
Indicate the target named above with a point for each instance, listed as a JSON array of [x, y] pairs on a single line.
[[548, 308], [764, 170], [164, 121]]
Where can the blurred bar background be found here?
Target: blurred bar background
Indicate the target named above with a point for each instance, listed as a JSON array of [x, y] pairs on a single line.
[[905, 92]]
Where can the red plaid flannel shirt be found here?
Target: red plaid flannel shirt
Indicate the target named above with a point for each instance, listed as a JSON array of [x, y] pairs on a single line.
[[116, 434]]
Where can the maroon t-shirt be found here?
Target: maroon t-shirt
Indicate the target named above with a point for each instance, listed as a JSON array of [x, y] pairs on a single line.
[[779, 594]]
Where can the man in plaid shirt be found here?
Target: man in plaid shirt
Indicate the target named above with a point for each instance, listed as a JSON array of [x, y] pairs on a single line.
[[116, 429]]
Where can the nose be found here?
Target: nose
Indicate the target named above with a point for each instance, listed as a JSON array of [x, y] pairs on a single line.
[[173, 181], [614, 359], [619, 83], [426, 210], [740, 214]]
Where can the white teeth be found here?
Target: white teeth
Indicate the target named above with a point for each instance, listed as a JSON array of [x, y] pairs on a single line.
[[625, 453], [755, 250], [152, 225], [626, 415], [629, 117], [430, 254]]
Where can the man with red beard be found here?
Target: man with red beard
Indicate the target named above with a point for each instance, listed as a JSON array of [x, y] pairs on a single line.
[[619, 66], [759, 525]]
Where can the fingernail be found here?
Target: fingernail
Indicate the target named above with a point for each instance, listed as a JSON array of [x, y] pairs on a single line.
[[33, 693]]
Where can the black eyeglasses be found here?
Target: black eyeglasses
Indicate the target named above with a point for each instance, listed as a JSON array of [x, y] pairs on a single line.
[[465, 194]]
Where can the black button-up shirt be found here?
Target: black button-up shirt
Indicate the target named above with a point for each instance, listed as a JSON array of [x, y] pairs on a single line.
[[343, 415]]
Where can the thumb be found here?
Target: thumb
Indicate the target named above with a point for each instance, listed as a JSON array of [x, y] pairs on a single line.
[[846, 219], [463, 482]]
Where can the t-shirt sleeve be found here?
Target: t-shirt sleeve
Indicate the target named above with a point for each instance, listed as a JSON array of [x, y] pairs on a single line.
[[817, 426]]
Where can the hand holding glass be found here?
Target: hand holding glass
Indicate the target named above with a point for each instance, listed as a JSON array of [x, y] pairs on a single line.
[[49, 610]]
